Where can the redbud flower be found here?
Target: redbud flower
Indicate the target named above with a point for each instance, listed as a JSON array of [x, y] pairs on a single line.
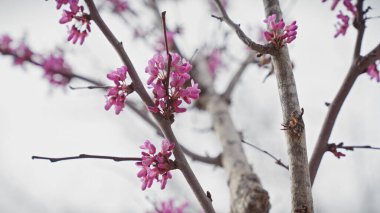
[[116, 96], [277, 33], [373, 72], [214, 61], [81, 26], [63, 2], [23, 53], [160, 44], [155, 166], [169, 89], [168, 207], [56, 70], [342, 26], [5, 43], [348, 4], [119, 6]]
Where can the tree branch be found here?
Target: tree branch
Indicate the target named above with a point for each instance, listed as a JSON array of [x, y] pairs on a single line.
[[264, 49], [165, 125], [359, 24], [358, 66], [86, 156], [277, 160], [295, 135], [246, 192], [235, 79]]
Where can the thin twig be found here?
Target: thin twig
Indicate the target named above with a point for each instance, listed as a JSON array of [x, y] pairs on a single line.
[[351, 148], [264, 49], [90, 87], [86, 156], [277, 160], [166, 83], [235, 79], [333, 148], [359, 24]]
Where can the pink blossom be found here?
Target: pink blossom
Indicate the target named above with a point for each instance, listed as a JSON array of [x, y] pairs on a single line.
[[214, 61], [5, 43], [80, 21], [334, 4], [73, 3], [350, 7], [168, 207], [170, 93], [22, 54], [373, 72], [160, 44], [277, 33], [116, 96], [119, 6], [342, 26], [56, 70], [153, 166]]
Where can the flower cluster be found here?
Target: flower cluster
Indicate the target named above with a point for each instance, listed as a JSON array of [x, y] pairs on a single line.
[[214, 61], [116, 95], [21, 53], [168, 207], [81, 26], [373, 72], [342, 26], [278, 34], [155, 165], [119, 6], [56, 70], [168, 84]]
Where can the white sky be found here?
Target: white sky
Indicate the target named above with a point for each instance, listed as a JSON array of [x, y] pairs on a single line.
[[38, 120]]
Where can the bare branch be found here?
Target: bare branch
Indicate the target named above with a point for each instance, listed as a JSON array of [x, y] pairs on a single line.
[[235, 79], [277, 160], [264, 49], [86, 156]]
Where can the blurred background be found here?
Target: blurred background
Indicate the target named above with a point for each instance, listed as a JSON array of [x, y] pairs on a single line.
[[39, 119]]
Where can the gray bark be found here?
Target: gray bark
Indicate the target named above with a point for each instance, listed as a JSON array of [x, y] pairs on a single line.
[[296, 142], [246, 192]]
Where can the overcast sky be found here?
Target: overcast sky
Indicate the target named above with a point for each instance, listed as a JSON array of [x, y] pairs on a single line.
[[36, 119]]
